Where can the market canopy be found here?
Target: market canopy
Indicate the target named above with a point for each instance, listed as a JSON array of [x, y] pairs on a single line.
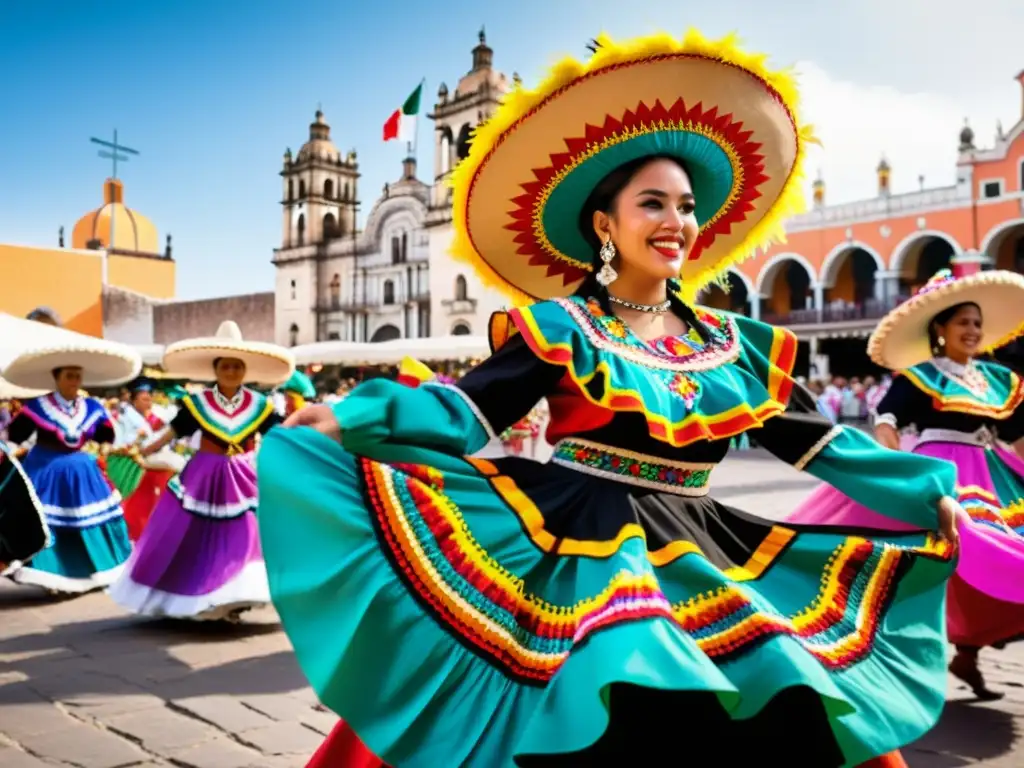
[[354, 353]]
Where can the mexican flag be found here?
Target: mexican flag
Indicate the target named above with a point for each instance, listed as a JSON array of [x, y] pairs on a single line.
[[402, 123]]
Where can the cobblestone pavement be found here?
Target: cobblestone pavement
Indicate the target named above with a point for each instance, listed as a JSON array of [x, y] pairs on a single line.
[[83, 684]]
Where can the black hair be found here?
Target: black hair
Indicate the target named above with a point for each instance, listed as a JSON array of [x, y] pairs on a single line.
[[55, 372], [216, 361], [602, 198], [942, 318]]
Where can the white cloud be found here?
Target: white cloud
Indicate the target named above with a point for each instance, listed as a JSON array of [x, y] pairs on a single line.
[[857, 124]]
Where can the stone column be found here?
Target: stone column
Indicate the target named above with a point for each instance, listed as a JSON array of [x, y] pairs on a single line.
[[755, 306]]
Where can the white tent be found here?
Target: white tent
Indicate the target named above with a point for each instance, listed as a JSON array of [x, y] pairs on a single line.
[[353, 353], [438, 348]]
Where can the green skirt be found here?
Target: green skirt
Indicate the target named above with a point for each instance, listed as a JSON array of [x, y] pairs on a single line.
[[125, 473], [474, 613]]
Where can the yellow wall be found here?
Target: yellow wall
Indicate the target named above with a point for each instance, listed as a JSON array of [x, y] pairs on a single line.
[[70, 282], [150, 277], [67, 281]]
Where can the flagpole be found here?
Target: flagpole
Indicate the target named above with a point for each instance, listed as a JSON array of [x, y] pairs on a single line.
[[414, 144]]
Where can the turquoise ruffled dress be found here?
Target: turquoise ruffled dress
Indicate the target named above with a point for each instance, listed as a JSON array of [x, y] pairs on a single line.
[[603, 606]]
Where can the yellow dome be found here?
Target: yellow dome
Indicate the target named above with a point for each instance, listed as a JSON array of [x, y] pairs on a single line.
[[132, 231]]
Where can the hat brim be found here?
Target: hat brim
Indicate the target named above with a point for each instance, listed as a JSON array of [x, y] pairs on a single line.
[[901, 338], [531, 166], [264, 363], [101, 367]]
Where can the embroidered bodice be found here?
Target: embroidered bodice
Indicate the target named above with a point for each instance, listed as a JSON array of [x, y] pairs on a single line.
[[681, 399], [231, 423], [943, 394], [62, 424]]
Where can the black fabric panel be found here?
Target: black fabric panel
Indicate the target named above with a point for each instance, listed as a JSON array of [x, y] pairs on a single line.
[[906, 402], [22, 534], [507, 385], [647, 725], [580, 506], [790, 435]]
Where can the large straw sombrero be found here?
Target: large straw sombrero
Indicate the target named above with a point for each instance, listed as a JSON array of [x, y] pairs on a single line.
[[531, 166], [901, 338], [103, 363], [192, 359]]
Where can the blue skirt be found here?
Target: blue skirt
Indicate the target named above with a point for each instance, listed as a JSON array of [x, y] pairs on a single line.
[[90, 539]]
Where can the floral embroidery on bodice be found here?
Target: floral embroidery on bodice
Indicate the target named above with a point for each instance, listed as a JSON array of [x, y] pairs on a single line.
[[670, 353]]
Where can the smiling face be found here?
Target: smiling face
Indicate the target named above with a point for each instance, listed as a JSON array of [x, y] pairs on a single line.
[[651, 222], [962, 332], [230, 373]]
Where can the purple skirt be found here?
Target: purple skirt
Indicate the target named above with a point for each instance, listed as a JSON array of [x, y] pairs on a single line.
[[986, 596], [199, 556]]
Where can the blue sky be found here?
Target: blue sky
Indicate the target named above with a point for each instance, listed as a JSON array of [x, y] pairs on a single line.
[[212, 93]]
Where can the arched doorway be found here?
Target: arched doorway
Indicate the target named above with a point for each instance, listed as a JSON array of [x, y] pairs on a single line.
[[785, 282], [1006, 248], [293, 335], [386, 333], [849, 277], [920, 258], [734, 298], [460, 329]]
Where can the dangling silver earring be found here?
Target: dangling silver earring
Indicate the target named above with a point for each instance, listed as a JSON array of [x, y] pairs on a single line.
[[942, 341], [606, 276], [940, 344]]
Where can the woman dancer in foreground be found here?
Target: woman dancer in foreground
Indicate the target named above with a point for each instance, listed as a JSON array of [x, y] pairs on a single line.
[[965, 411], [89, 538], [199, 556], [585, 609]]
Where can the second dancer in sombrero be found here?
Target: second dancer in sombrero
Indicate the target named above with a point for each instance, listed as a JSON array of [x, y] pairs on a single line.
[[458, 611]]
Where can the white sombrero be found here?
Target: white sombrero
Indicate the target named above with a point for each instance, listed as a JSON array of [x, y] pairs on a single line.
[[103, 363], [192, 359], [9, 391], [901, 338]]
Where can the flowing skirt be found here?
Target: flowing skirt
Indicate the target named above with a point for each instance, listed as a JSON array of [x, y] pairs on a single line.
[[199, 556], [139, 507], [986, 596], [563, 619], [90, 540], [124, 472], [23, 529], [343, 749]]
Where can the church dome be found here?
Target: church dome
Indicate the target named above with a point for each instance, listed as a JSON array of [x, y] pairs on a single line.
[[319, 146], [132, 230]]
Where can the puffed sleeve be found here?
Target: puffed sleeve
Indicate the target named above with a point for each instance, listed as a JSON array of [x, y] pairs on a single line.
[[1012, 429], [273, 419], [902, 486], [20, 429], [458, 419], [903, 405], [184, 424]]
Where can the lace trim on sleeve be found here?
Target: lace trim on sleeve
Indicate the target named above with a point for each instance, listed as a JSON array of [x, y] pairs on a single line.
[[886, 418], [817, 448]]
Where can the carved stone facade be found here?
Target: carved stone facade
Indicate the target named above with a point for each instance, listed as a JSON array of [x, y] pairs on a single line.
[[459, 303], [396, 278]]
